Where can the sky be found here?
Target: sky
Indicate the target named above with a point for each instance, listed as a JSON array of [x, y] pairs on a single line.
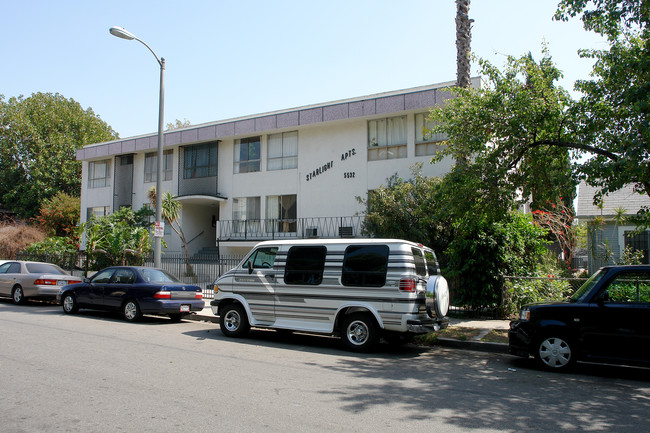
[[226, 59]]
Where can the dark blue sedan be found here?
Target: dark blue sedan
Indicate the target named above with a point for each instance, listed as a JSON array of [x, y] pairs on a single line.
[[133, 291]]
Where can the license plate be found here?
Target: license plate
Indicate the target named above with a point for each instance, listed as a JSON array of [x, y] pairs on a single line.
[[61, 282], [185, 308]]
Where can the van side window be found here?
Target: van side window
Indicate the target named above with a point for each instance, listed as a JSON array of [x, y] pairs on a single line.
[[264, 258], [420, 265], [365, 265], [305, 265], [432, 262]]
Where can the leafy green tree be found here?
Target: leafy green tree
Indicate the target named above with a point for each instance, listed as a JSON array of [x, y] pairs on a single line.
[[516, 132], [614, 113], [39, 136], [406, 209], [120, 238], [59, 215]]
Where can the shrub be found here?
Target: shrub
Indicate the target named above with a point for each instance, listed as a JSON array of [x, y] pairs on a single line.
[[15, 237]]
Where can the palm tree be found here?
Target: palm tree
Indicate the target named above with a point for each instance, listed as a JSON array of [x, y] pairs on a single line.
[[463, 39], [171, 209]]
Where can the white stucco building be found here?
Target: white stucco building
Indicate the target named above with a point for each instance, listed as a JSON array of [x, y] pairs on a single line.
[[290, 173]]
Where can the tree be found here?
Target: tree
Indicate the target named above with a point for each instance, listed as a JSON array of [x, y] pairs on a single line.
[[171, 209], [59, 215], [614, 112], [516, 132], [38, 139], [463, 43], [177, 124], [119, 238]]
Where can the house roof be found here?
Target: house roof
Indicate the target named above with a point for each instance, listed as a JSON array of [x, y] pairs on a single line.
[[625, 198], [383, 103]]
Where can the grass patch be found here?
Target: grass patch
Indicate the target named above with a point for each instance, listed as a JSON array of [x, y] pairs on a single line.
[[462, 334], [497, 336]]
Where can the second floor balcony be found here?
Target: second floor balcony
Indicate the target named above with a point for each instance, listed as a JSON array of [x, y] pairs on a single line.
[[297, 228]]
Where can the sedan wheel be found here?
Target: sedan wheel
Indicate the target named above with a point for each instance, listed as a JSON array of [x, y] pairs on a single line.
[[555, 353], [131, 311], [69, 304], [18, 295]]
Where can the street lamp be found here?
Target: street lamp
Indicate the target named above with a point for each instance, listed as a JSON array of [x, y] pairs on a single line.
[[121, 33]]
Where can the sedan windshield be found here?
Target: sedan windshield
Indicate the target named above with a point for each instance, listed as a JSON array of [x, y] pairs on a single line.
[[579, 295]]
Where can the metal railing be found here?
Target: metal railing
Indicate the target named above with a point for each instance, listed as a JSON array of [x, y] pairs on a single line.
[[297, 228]]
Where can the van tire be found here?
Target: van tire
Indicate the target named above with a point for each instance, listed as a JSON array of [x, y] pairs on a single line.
[[359, 332], [233, 321]]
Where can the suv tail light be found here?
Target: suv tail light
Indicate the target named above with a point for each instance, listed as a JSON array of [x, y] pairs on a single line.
[[407, 285]]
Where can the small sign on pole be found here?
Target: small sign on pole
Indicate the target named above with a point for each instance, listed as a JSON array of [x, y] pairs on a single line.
[[159, 229]]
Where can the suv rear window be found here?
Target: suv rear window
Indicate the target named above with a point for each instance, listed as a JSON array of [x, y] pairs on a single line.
[[305, 265], [365, 265], [420, 265]]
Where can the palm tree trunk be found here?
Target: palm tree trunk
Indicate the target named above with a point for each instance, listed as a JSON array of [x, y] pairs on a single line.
[[463, 40]]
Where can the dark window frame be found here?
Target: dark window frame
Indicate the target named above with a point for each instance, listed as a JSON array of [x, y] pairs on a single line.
[[305, 265], [353, 273]]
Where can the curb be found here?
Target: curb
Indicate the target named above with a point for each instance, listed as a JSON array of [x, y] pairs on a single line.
[[479, 346]]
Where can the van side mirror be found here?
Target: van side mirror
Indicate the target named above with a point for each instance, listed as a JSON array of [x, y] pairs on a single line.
[[250, 266]]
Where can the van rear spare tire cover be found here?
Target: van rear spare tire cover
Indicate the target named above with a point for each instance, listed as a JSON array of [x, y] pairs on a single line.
[[438, 295]]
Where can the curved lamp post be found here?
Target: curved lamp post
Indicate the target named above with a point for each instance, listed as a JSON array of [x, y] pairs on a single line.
[[121, 33]]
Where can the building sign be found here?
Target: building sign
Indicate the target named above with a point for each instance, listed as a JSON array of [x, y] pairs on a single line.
[[320, 170]]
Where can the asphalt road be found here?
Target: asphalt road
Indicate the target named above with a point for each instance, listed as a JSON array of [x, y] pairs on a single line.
[[93, 372]]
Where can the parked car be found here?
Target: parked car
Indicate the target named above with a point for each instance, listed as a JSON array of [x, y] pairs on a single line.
[[607, 320], [133, 291], [22, 280]]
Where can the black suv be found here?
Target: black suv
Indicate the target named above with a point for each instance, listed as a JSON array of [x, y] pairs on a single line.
[[606, 320]]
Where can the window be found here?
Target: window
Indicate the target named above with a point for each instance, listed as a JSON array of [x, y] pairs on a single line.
[[365, 265], [247, 155], [103, 276], [263, 258], [124, 276], [98, 212], [432, 262], [426, 143], [639, 242], [151, 165], [305, 265], [246, 215], [630, 287], [281, 214], [420, 265], [387, 138], [283, 151], [99, 173], [200, 161]]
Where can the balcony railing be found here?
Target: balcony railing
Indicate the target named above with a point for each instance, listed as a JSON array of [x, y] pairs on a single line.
[[298, 228]]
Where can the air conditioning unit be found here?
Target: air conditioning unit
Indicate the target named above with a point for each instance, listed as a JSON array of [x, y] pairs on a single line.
[[311, 232], [345, 232]]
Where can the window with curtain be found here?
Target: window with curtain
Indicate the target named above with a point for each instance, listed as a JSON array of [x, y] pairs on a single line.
[[281, 213], [247, 155], [246, 214], [151, 165], [387, 138], [99, 173], [200, 161], [426, 143], [283, 151]]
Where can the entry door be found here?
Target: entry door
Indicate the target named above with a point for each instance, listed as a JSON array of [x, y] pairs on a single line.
[[258, 286]]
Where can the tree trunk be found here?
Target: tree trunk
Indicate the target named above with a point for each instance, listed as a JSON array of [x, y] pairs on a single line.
[[463, 39]]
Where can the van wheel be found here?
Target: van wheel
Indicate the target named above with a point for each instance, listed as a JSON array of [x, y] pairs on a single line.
[[233, 321], [359, 332]]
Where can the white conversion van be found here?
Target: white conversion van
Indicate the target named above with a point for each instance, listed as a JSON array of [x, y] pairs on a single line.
[[360, 289]]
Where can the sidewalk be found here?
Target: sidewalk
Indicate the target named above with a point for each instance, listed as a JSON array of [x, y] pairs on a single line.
[[475, 343]]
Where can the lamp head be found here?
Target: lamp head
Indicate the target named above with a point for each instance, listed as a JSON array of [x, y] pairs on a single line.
[[121, 33]]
